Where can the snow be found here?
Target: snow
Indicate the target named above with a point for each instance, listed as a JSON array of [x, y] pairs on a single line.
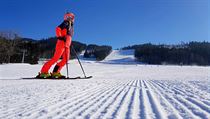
[[115, 91], [121, 57]]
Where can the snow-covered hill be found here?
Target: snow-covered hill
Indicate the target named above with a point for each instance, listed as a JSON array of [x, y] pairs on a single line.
[[116, 90], [121, 57]]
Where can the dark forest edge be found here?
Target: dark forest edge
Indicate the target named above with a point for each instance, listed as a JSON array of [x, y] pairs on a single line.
[[17, 50], [25, 50], [192, 53]]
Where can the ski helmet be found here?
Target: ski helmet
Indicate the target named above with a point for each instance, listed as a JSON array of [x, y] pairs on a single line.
[[68, 16]]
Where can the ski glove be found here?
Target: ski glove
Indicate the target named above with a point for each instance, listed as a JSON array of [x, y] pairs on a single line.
[[62, 38]]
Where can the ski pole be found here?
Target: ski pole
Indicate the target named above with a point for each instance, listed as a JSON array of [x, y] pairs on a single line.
[[79, 61], [67, 69]]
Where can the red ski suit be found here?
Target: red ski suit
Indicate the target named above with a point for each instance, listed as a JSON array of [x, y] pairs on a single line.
[[64, 34]]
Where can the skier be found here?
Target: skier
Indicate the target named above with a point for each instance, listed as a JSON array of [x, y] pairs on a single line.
[[64, 33]]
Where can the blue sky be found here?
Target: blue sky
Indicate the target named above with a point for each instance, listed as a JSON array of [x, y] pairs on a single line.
[[117, 23]]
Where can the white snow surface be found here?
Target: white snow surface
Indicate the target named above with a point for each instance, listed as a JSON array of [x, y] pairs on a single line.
[[120, 57], [117, 90]]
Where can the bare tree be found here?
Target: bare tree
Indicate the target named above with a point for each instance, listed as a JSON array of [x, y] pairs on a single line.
[[10, 46]]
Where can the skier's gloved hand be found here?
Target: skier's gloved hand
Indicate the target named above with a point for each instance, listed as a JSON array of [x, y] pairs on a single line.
[[62, 38]]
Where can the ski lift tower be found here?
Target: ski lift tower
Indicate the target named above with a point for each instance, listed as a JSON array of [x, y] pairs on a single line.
[[23, 57]]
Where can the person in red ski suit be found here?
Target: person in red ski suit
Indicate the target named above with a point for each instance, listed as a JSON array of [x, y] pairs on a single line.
[[64, 33]]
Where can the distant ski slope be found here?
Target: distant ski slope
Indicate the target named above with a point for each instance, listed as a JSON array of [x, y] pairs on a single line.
[[121, 56], [119, 91]]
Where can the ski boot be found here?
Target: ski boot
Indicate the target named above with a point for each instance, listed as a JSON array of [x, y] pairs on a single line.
[[57, 75], [43, 75]]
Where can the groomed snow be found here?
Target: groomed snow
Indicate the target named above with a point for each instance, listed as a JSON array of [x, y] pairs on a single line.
[[115, 91], [120, 57]]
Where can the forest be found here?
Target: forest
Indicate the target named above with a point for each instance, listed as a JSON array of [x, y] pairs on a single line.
[[14, 49], [192, 53]]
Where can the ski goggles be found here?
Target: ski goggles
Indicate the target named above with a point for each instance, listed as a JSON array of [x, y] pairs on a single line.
[[69, 18]]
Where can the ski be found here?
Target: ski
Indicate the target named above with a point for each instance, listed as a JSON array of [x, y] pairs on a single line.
[[66, 78]]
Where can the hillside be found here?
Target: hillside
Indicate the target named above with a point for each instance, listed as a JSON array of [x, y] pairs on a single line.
[[121, 57]]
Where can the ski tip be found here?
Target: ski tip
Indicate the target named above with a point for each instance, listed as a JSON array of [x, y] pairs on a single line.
[[88, 77]]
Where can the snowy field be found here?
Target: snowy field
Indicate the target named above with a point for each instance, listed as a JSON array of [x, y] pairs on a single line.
[[117, 90]]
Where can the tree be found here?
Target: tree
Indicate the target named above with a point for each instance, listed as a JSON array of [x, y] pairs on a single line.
[[98, 52], [185, 54]]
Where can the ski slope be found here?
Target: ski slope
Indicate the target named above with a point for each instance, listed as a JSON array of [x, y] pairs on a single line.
[[120, 57], [120, 91]]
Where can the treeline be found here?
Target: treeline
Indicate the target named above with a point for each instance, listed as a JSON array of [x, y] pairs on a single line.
[[14, 49], [47, 47], [26, 50], [193, 53], [18, 50], [98, 52]]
